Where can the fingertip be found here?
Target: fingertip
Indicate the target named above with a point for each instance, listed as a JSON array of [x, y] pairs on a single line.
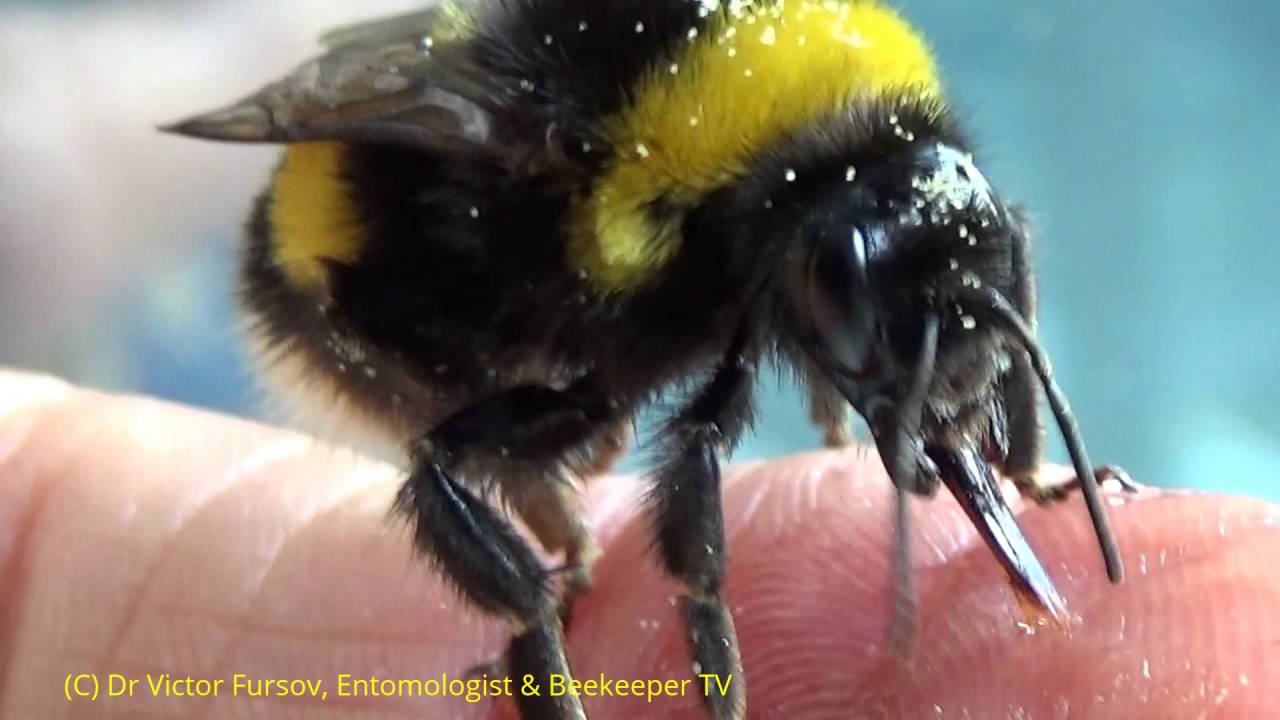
[[20, 391]]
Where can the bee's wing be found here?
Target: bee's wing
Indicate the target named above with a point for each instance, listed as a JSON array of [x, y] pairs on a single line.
[[387, 29], [382, 81]]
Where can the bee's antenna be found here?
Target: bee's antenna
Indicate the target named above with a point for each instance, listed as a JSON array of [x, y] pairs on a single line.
[[1014, 324], [911, 407], [903, 623]]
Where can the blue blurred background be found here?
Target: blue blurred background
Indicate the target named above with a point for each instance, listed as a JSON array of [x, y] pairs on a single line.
[[1142, 136]]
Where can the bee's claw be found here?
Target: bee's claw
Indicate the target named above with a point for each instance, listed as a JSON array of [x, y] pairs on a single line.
[[1045, 494]]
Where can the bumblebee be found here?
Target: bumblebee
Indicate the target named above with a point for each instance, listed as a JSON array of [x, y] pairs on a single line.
[[500, 229]]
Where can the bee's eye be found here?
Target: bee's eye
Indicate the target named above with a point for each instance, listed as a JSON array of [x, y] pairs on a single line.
[[839, 297]]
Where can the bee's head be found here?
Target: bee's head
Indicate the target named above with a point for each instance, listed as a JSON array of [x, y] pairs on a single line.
[[905, 281], [892, 290]]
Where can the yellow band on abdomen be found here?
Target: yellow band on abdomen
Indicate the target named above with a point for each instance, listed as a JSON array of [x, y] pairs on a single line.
[[758, 71], [312, 214]]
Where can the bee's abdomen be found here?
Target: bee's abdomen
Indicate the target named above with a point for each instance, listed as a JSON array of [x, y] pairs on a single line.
[[311, 214], [321, 373]]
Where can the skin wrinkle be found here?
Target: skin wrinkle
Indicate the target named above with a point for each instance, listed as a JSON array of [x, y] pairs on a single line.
[[802, 488], [30, 521], [325, 636], [813, 484], [230, 650], [355, 484], [264, 457], [14, 441], [334, 504], [295, 446], [350, 490], [785, 665], [135, 715], [609, 498], [361, 485], [854, 474], [748, 512]]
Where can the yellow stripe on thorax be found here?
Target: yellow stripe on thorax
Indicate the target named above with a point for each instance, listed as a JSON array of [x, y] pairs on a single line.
[[312, 214], [759, 70]]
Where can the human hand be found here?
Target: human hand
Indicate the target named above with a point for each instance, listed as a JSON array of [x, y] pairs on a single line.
[[140, 537]]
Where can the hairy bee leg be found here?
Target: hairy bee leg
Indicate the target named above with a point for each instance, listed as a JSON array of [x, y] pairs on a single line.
[[690, 531], [557, 519], [553, 512], [828, 409], [1024, 442], [525, 438], [691, 539], [542, 425], [498, 572], [1024, 435], [521, 437], [610, 448]]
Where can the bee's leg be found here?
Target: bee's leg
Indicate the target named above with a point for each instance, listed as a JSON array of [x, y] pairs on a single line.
[[827, 408], [1019, 440], [549, 504], [690, 529], [555, 515], [1043, 493], [497, 571], [519, 437], [552, 510], [1022, 438], [609, 448], [1023, 441]]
